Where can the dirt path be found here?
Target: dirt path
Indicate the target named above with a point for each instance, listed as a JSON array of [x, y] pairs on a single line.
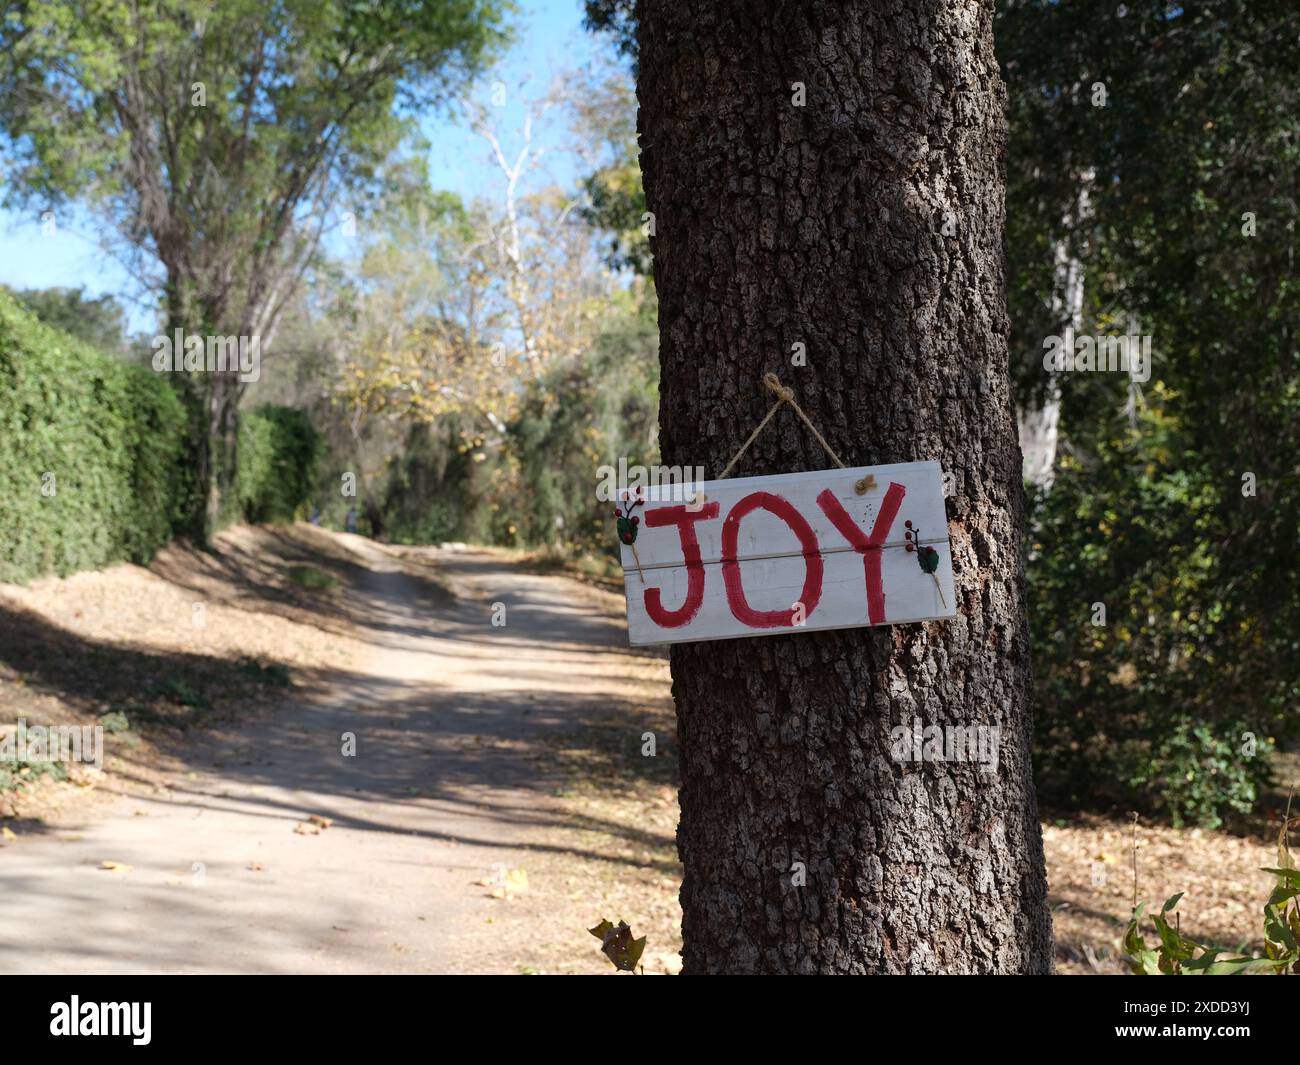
[[454, 781]]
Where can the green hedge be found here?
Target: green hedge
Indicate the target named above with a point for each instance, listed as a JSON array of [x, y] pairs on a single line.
[[278, 450], [94, 453]]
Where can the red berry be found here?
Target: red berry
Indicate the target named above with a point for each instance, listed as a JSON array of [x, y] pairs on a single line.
[[636, 521], [909, 548], [908, 524]]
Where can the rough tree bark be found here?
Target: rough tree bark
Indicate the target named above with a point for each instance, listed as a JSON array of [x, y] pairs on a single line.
[[867, 225]]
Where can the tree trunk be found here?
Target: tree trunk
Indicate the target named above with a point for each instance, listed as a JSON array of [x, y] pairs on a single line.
[[1040, 424], [867, 226]]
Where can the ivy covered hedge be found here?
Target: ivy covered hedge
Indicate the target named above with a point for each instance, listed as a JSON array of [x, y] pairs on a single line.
[[94, 453], [97, 457], [278, 451]]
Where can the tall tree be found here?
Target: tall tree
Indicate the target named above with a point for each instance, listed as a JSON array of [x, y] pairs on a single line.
[[215, 140], [97, 320], [831, 174]]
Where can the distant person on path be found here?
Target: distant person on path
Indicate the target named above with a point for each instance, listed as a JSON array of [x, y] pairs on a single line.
[[350, 522]]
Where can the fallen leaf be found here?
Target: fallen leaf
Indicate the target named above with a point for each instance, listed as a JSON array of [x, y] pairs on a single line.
[[323, 822], [617, 944], [8, 833], [115, 867], [256, 867], [514, 883], [305, 828]]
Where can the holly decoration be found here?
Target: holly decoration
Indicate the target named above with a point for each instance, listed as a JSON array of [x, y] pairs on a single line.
[[926, 556], [628, 523]]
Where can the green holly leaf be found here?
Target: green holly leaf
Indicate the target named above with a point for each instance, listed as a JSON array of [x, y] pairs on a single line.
[[626, 530], [929, 559]]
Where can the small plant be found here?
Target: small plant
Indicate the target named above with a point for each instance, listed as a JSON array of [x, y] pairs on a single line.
[[114, 721], [177, 691], [275, 674], [310, 577], [15, 776], [1178, 955]]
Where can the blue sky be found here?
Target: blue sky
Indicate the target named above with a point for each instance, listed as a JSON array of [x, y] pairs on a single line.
[[549, 38]]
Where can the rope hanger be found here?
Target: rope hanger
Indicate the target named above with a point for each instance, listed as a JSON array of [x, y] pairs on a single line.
[[786, 395]]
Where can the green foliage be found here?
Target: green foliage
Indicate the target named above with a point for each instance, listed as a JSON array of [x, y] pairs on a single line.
[[1169, 693], [288, 88], [114, 722], [616, 202], [441, 486], [93, 466], [584, 414], [16, 775], [617, 205], [617, 19], [1149, 514], [534, 485], [310, 577], [1177, 955], [100, 322], [219, 137], [278, 452], [272, 674], [179, 692]]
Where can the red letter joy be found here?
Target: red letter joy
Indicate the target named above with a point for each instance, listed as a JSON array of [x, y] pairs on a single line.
[[867, 546], [685, 521], [812, 584]]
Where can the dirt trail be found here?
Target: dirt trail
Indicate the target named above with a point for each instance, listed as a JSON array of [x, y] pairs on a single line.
[[452, 783]]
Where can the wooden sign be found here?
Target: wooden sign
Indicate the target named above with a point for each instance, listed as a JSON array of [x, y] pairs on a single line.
[[757, 556]]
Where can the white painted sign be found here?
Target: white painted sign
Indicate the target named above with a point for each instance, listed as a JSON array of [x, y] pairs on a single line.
[[758, 556]]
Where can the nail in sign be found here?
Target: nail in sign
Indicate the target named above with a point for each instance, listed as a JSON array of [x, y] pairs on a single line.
[[790, 553]]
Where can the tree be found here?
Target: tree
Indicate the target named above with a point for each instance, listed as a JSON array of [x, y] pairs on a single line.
[[831, 174], [617, 20], [216, 140], [98, 321], [606, 112]]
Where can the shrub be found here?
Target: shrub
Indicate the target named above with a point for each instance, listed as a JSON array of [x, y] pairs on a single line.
[[94, 453], [278, 451], [1165, 675]]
